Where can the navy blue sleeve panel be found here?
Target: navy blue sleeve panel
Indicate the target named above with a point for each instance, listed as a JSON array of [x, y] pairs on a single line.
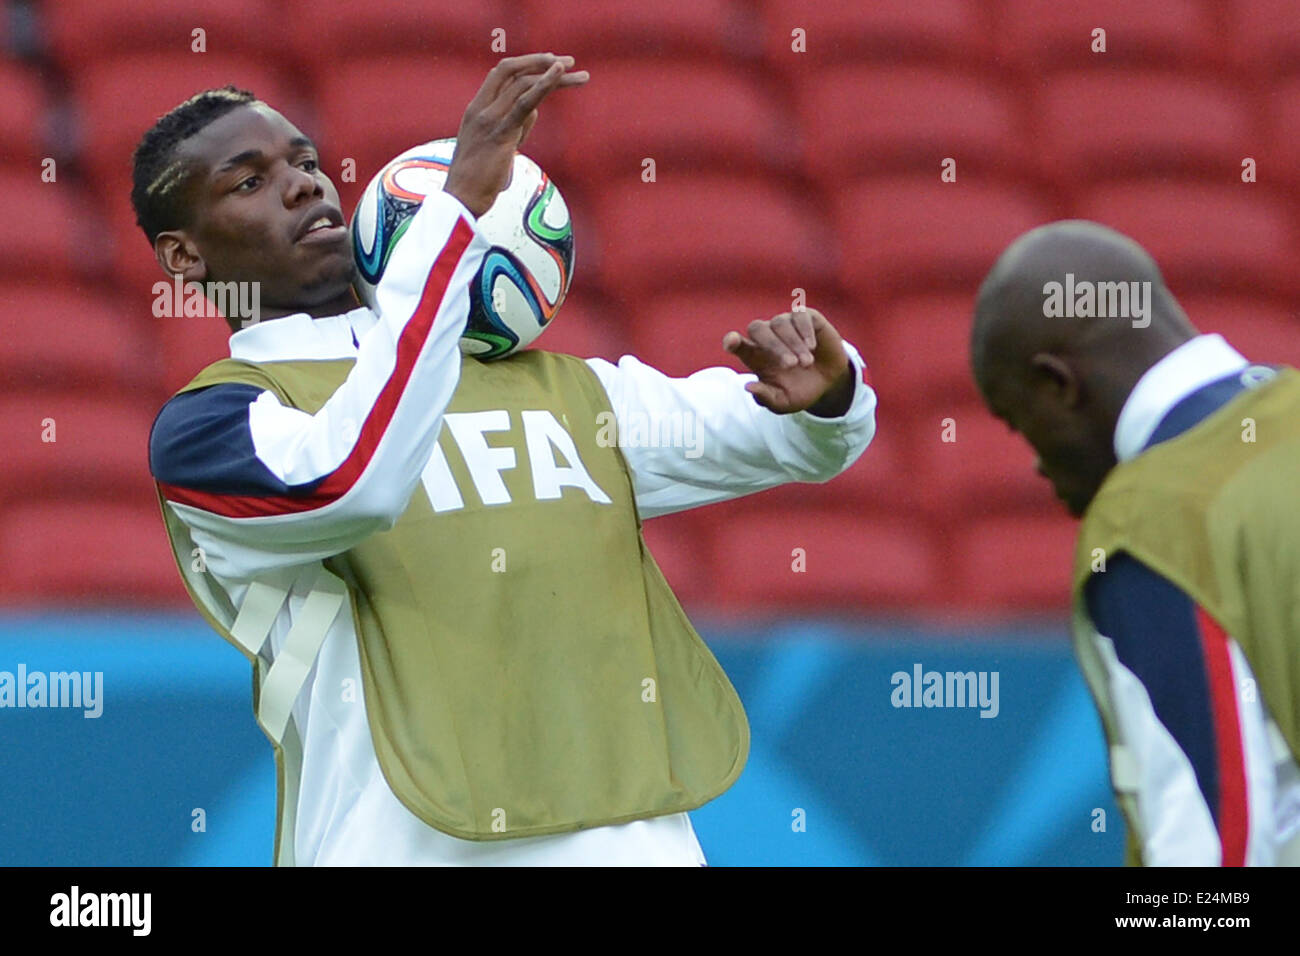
[[1156, 636], [201, 440]]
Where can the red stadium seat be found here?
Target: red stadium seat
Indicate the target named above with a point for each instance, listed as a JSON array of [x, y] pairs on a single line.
[[100, 446], [1266, 36], [60, 335], [1205, 237], [1262, 331], [705, 230], [1013, 564], [586, 329], [986, 468], [187, 346], [898, 233], [921, 347], [88, 550], [23, 116], [871, 118], [681, 332], [951, 30], [1107, 124], [1282, 154], [585, 28], [851, 560], [319, 30], [681, 545], [1047, 34], [686, 116], [48, 232], [83, 31]]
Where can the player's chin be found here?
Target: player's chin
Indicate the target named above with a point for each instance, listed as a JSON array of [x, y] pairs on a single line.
[[326, 280]]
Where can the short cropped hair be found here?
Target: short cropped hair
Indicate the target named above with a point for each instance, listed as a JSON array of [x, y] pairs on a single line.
[[157, 175]]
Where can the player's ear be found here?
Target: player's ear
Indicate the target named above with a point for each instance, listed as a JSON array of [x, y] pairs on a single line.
[[177, 254], [1055, 373]]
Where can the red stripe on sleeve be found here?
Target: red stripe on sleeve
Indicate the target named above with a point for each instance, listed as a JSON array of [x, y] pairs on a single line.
[[1233, 815], [341, 480]]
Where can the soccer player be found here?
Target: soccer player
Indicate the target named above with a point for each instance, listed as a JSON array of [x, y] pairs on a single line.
[[1181, 457], [463, 652]]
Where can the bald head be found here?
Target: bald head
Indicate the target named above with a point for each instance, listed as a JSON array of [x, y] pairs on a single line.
[[1069, 318], [1073, 286]]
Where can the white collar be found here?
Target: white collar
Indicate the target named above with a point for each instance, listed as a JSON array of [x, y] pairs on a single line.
[[1193, 365], [299, 336]]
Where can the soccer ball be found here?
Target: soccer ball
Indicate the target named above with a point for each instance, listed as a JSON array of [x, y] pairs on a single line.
[[526, 273]]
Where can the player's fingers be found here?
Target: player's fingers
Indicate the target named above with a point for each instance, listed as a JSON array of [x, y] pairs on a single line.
[[745, 350], [784, 329], [766, 339], [508, 68], [531, 97], [803, 323]]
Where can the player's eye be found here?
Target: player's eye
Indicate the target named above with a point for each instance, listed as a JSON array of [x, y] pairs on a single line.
[[248, 185], [310, 165]]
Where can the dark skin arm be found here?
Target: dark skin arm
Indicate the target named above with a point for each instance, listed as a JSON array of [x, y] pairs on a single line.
[[800, 362]]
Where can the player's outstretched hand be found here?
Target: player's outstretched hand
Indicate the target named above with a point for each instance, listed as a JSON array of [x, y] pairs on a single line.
[[496, 122], [800, 362]]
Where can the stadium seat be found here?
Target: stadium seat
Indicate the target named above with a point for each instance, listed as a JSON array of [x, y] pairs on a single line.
[[1108, 124], [681, 332], [906, 118], [863, 561], [100, 440], [985, 468], [49, 233], [88, 550], [681, 544], [1281, 156], [1261, 330], [61, 335], [23, 116], [1039, 35], [840, 30], [1015, 563], [1204, 236], [706, 229], [688, 116], [585, 28], [319, 29], [1265, 36], [81, 32], [187, 346], [920, 346], [900, 233]]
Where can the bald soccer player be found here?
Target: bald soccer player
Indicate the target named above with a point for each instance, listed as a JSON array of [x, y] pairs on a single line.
[[1181, 457]]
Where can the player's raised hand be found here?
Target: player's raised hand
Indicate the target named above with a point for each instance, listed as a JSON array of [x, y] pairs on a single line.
[[800, 362], [496, 122]]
